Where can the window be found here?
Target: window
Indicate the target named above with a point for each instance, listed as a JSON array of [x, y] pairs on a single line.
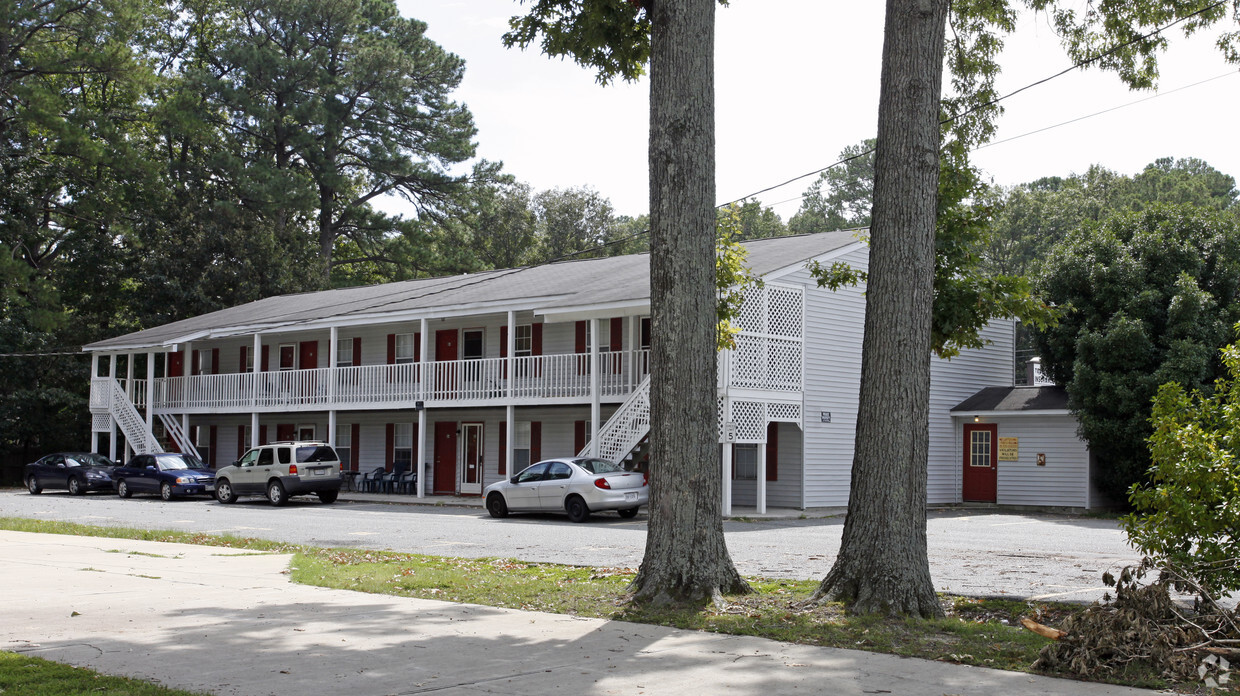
[[558, 471], [288, 357], [472, 346], [249, 359], [404, 348], [202, 442], [521, 445], [979, 449], [745, 462], [202, 362], [534, 473], [305, 432], [264, 457], [344, 352], [344, 446], [523, 341], [402, 447]]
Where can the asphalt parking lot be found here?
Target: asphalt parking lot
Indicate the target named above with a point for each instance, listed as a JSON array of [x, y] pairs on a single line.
[[972, 552]]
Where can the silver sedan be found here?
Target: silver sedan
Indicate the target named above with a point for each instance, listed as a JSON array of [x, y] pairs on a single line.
[[573, 485]]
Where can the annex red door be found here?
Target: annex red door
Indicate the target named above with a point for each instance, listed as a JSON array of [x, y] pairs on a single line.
[[444, 480], [285, 432], [445, 374], [981, 462]]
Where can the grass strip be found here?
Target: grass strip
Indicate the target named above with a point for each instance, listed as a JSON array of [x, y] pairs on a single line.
[[25, 675], [977, 631]]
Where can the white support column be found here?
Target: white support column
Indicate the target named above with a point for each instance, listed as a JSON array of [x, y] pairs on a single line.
[[510, 349], [632, 346], [421, 461], [331, 427], [510, 434], [256, 375], [595, 412], [150, 392], [187, 367], [727, 479], [423, 352], [333, 355], [762, 478], [129, 360], [254, 429], [94, 365]]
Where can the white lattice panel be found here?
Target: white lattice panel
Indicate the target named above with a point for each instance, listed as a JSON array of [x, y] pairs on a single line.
[[790, 413], [749, 362], [784, 307], [752, 317], [100, 423], [721, 416], [749, 421], [783, 365]]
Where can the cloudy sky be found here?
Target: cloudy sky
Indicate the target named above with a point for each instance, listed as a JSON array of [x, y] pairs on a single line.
[[796, 82]]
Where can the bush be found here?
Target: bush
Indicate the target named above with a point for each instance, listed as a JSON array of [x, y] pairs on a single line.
[[1188, 513]]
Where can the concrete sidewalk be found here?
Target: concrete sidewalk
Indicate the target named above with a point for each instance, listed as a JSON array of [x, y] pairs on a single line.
[[222, 621]]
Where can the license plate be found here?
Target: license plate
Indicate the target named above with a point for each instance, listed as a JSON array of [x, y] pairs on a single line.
[[210, 489], [630, 496], [320, 472]]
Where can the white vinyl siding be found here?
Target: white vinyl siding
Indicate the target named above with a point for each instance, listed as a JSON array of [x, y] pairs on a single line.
[[1063, 482]]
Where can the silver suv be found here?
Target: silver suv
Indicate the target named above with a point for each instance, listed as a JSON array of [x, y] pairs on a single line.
[[281, 470]]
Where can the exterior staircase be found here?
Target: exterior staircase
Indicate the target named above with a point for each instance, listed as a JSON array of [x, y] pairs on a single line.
[[626, 428], [172, 426], [131, 423]]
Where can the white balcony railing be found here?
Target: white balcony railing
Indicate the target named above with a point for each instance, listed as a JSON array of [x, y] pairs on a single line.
[[533, 378]]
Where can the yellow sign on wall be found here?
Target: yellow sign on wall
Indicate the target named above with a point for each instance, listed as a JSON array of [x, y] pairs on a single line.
[[1009, 449]]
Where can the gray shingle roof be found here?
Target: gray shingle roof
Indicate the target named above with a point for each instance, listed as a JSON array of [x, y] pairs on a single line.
[[1016, 399], [557, 286]]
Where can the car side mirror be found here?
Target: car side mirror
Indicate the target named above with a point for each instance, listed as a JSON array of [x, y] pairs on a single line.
[[513, 480], [150, 466]]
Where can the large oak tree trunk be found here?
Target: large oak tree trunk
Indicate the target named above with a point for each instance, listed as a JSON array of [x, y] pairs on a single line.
[[686, 558], [882, 565]]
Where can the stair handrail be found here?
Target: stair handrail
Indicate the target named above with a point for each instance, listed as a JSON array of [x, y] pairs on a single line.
[[127, 418], [627, 426]]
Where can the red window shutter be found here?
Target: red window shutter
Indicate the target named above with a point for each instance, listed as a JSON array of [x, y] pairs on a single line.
[[241, 363], [536, 339], [503, 341], [211, 440], [391, 349], [733, 461], [357, 357], [262, 432], [536, 441], [581, 337], [215, 361], [266, 357], [389, 452], [417, 346], [579, 436], [772, 452], [241, 443], [617, 333], [355, 442], [195, 362], [503, 448]]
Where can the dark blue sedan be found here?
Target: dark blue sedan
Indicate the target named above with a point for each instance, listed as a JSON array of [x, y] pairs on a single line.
[[77, 472], [167, 473]]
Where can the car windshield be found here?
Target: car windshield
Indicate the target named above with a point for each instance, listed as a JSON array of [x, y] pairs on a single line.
[[179, 461], [316, 453], [598, 466]]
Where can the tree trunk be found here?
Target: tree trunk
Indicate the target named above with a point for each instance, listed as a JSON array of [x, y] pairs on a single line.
[[686, 558], [882, 565]]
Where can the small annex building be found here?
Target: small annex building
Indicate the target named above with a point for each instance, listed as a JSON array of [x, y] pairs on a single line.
[[1019, 447], [467, 379]]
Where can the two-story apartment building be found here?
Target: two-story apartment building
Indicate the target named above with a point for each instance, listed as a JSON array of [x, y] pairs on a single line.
[[468, 378]]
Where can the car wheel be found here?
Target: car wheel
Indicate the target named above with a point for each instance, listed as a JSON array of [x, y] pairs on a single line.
[[328, 497], [576, 509], [32, 485], [224, 492], [275, 493], [75, 486], [497, 506], [165, 490], [628, 513], [122, 489]]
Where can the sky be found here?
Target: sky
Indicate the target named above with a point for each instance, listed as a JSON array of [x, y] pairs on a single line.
[[797, 82]]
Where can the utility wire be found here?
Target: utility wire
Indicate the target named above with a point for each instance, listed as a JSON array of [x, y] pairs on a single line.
[[996, 100]]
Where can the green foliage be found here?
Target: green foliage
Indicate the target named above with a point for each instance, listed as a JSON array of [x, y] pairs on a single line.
[[1151, 297], [732, 277], [1187, 512], [610, 36], [755, 221], [966, 296], [841, 197], [25, 675]]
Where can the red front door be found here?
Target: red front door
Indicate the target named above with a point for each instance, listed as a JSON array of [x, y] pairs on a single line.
[[981, 462], [445, 375], [308, 355], [285, 432], [445, 458], [176, 364]]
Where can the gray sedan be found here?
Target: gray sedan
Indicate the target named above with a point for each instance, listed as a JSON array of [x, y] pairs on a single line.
[[574, 485]]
